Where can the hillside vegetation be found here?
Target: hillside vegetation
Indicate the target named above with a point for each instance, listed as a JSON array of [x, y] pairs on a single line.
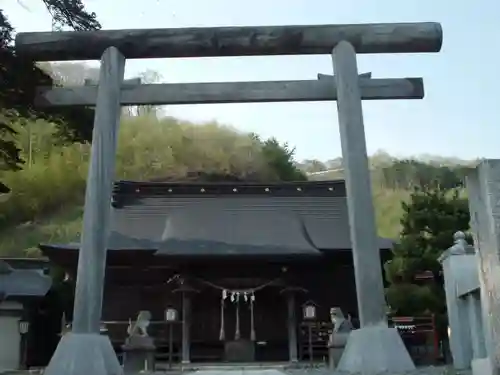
[[393, 181], [48, 187], [47, 195]]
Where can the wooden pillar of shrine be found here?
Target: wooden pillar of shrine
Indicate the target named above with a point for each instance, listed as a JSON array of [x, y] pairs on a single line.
[[186, 327], [186, 294], [291, 302]]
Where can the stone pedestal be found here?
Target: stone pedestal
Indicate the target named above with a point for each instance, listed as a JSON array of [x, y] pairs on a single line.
[[458, 268], [336, 346], [375, 349], [476, 326], [482, 366], [139, 354], [84, 354], [331, 358]]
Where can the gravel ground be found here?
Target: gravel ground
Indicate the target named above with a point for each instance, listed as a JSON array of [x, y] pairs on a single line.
[[428, 370], [431, 370]]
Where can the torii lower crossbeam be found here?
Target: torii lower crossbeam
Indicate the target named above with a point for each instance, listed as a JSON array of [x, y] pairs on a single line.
[[323, 89]]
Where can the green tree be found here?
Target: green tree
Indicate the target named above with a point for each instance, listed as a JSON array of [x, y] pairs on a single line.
[[20, 78], [430, 219], [71, 13], [280, 158]]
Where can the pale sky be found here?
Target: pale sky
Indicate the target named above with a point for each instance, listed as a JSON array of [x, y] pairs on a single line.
[[458, 117]]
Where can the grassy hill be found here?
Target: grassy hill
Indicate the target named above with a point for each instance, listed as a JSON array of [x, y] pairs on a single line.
[[47, 198]]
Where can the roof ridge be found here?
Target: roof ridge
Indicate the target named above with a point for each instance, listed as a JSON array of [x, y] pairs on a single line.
[[128, 192], [227, 183]]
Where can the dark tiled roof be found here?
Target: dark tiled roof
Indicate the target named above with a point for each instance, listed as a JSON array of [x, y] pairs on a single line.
[[116, 242], [27, 263], [324, 218], [207, 229], [230, 218], [16, 282]]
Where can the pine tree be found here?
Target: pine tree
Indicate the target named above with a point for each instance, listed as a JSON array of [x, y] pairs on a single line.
[[430, 219], [20, 78]]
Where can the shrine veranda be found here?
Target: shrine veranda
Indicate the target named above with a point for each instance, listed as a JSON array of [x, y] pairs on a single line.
[[346, 87]]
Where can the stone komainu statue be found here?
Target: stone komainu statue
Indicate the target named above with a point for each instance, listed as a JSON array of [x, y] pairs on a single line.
[[140, 326], [340, 323], [342, 327]]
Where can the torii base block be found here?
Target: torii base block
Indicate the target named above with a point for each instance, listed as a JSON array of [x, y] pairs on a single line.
[[373, 350], [84, 354]]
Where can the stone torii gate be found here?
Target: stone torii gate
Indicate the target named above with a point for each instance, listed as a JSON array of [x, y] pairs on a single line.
[[372, 349]]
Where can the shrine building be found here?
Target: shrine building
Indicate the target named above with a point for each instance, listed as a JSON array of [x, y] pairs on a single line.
[[233, 271]]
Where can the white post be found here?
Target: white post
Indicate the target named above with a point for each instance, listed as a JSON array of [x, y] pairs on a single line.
[[476, 325], [483, 185], [84, 350], [457, 265], [360, 354]]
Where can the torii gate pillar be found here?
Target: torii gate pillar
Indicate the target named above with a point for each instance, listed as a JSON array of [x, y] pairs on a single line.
[[374, 348], [84, 351]]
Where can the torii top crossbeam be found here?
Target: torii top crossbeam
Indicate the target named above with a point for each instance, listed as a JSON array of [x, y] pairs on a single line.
[[231, 41]]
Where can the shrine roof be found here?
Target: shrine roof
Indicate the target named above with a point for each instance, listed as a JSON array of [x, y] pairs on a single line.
[[20, 278], [208, 229], [116, 242], [229, 219]]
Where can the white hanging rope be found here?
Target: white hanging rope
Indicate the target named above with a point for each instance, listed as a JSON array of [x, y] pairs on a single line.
[[222, 333], [237, 334], [232, 293], [235, 296], [252, 325]]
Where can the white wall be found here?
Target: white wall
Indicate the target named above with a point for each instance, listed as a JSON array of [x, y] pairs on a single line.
[[10, 339]]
